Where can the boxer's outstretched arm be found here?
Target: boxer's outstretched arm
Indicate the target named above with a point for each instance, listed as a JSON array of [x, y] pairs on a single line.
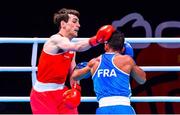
[[102, 35]]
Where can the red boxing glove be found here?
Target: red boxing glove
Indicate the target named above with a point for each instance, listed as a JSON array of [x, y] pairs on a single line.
[[72, 97], [103, 34]]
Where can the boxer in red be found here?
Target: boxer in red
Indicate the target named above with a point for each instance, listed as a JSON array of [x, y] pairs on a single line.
[[49, 95]]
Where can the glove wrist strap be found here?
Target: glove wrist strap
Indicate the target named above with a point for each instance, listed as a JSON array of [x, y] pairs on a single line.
[[76, 86], [93, 41]]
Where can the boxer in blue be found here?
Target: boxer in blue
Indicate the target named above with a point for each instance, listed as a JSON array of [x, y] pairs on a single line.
[[111, 74]]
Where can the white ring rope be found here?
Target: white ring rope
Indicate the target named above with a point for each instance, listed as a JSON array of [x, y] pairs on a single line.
[[130, 40], [141, 99], [93, 99], [33, 69]]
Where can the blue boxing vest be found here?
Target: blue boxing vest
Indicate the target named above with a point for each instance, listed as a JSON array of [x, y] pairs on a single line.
[[109, 80]]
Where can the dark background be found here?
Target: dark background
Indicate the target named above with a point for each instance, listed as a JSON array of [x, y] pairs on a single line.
[[33, 18]]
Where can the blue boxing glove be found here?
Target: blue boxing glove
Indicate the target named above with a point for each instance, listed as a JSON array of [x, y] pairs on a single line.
[[128, 49], [82, 65]]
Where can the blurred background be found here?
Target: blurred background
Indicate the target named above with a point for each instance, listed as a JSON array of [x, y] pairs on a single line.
[[136, 18]]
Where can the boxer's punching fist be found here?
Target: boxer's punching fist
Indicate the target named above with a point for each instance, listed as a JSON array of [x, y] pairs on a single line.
[[128, 49], [82, 65], [103, 34], [72, 97]]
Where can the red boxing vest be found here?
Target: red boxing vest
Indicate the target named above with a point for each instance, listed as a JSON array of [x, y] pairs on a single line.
[[54, 68]]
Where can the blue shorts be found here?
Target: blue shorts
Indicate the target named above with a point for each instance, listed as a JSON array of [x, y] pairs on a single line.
[[117, 109]]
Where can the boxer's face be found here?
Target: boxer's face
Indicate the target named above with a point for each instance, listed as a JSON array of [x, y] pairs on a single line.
[[72, 26]]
